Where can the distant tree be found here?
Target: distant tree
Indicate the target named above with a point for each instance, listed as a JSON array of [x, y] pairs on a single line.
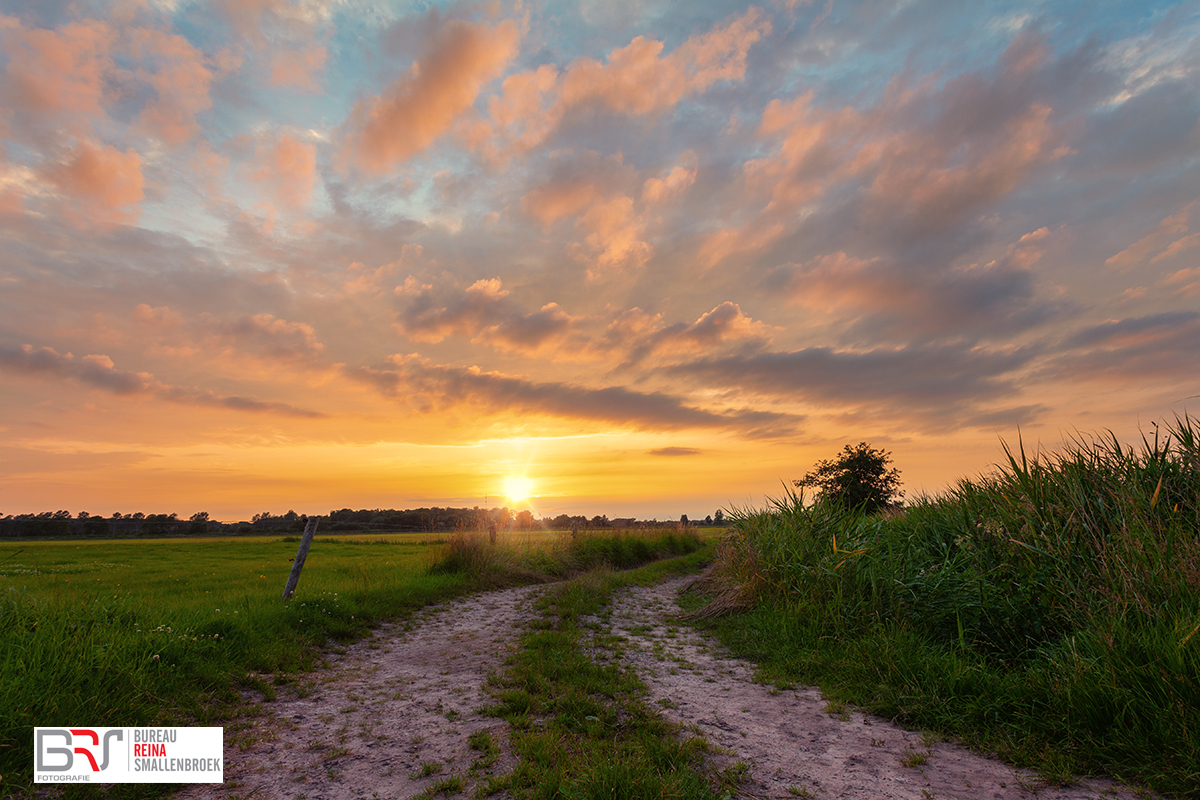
[[683, 519], [719, 517], [708, 520], [198, 523], [524, 520], [858, 478]]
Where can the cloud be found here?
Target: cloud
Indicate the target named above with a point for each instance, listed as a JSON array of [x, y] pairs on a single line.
[[934, 384], [287, 168], [554, 201], [445, 386], [889, 299], [180, 76], [483, 311], [613, 238], [1169, 238], [636, 80], [1158, 346], [100, 372], [59, 74], [640, 336], [161, 317], [272, 338], [101, 184], [920, 162], [674, 183], [422, 105], [675, 451], [1187, 281], [298, 67]]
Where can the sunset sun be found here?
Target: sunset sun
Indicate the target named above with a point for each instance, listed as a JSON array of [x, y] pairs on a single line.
[[518, 488]]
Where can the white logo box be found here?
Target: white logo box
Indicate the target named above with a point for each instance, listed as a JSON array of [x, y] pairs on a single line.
[[128, 755]]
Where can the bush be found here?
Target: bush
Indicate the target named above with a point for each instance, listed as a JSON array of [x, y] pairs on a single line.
[[859, 478]]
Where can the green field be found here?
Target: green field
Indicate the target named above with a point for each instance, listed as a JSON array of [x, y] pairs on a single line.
[[146, 632]]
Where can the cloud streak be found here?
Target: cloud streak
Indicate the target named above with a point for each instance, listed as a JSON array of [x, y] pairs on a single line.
[[99, 371]]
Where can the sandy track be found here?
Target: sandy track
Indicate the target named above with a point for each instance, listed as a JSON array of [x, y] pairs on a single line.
[[366, 725], [792, 744], [382, 710]]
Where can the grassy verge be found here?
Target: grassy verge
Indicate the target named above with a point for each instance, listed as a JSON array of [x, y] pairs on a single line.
[[580, 726], [1049, 613]]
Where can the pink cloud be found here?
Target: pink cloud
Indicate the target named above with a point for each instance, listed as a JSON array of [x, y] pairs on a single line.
[[554, 201], [637, 79], [676, 182], [180, 76], [58, 72], [287, 168], [422, 105], [1166, 232], [1185, 282], [158, 317], [612, 240], [102, 183], [298, 67]]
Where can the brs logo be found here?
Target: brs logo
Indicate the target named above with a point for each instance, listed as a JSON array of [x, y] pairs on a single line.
[[71, 738]]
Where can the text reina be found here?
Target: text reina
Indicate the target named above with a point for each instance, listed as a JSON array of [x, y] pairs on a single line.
[[152, 750]]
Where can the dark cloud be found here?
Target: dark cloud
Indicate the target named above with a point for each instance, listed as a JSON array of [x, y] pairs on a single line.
[[945, 384], [887, 300], [1162, 347], [675, 451], [99, 371], [1125, 332], [444, 386], [640, 335], [484, 310]]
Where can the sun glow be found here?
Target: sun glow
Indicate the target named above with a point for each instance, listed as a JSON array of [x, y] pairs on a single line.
[[518, 488]]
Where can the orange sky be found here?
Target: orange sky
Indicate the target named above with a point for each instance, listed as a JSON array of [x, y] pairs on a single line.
[[654, 259]]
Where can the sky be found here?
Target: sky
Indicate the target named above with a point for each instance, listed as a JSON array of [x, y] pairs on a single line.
[[627, 258]]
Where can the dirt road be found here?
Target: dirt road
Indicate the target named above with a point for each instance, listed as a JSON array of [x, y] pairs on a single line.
[[394, 715]]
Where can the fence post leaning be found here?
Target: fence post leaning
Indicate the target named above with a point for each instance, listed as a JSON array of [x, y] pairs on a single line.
[[298, 564]]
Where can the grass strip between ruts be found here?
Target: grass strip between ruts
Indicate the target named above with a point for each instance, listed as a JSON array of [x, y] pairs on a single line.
[[581, 728]]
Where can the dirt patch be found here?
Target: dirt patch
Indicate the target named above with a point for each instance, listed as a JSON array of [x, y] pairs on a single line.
[[794, 742], [389, 717]]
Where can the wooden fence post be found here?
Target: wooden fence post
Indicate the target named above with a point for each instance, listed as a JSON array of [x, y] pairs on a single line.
[[298, 564]]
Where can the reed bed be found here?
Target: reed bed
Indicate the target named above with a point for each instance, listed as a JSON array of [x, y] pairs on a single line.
[[1049, 611]]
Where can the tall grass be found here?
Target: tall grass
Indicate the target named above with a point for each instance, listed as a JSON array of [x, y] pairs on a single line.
[[1049, 611], [503, 560]]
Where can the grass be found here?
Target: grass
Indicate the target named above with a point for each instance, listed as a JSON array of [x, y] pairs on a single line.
[[1047, 613], [165, 632], [580, 724]]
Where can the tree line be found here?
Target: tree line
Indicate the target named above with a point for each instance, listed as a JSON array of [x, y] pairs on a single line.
[[64, 525]]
